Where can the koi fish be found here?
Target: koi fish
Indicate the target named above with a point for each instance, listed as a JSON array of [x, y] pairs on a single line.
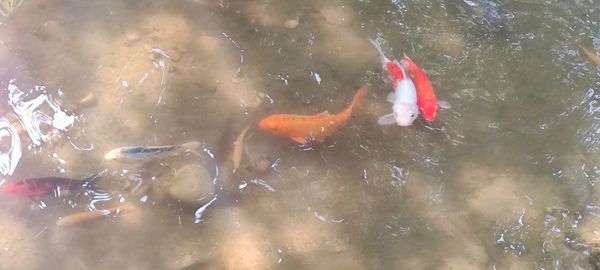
[[426, 100], [591, 55], [404, 96], [37, 187], [305, 128], [82, 217], [393, 68], [148, 153]]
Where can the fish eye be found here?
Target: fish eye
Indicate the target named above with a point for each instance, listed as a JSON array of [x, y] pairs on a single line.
[[412, 115]]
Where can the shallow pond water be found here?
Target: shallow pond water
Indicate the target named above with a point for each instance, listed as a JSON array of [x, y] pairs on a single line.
[[505, 179]]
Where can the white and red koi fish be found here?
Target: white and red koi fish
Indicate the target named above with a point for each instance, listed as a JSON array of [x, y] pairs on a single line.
[[404, 96]]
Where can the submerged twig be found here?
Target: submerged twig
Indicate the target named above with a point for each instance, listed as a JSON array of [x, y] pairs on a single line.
[[238, 147]]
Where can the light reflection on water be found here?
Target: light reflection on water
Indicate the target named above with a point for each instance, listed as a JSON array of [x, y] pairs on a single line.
[[10, 158], [509, 174]]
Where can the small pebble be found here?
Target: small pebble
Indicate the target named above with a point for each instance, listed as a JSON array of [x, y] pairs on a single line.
[[192, 185], [132, 37]]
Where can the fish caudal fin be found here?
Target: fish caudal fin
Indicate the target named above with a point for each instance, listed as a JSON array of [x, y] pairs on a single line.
[[384, 60], [408, 63], [359, 97]]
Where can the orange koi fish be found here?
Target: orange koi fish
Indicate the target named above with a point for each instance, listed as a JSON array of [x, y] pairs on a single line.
[[305, 128], [83, 217], [426, 100]]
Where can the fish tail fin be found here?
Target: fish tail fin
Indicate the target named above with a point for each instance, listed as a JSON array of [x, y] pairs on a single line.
[[359, 97], [382, 56], [88, 182], [408, 63]]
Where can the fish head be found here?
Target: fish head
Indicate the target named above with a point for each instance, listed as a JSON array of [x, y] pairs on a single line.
[[273, 123], [405, 113]]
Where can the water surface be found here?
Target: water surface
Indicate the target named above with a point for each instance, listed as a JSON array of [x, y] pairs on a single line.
[[505, 179]]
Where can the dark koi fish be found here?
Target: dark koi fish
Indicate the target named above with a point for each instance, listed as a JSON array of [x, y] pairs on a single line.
[[37, 187]]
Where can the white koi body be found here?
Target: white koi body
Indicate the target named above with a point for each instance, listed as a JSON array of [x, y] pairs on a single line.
[[404, 96], [148, 153]]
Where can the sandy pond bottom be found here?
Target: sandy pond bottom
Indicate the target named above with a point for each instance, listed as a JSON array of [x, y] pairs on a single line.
[[506, 179]]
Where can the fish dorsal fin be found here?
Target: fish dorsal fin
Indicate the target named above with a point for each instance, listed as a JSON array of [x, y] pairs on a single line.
[[391, 97]]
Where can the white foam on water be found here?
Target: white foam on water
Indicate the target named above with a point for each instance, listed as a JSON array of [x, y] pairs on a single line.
[[28, 111]]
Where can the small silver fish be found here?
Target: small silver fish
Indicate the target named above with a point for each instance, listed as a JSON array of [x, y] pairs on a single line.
[[148, 153]]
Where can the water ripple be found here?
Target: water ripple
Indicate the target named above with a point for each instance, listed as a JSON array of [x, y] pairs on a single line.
[[30, 114]]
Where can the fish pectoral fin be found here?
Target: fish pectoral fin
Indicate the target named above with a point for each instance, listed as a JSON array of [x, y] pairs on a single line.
[[323, 113], [319, 139], [444, 104], [386, 120], [390, 97], [299, 140]]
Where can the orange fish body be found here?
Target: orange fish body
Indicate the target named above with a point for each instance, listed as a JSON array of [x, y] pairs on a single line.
[[302, 128], [426, 100]]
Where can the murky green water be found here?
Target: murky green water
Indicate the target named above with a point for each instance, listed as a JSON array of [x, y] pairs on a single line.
[[506, 179]]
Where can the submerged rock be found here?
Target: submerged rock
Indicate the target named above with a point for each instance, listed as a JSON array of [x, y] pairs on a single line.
[[290, 24], [192, 185]]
